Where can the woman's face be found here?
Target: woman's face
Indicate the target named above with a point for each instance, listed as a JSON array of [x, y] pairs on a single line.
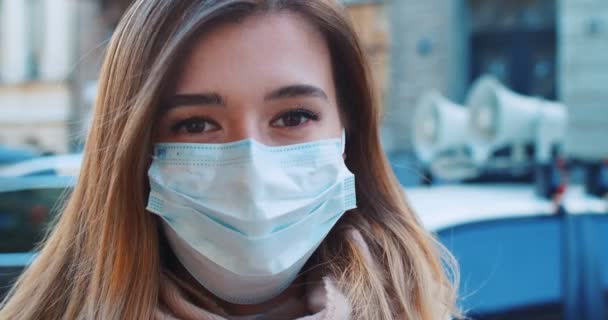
[[267, 78]]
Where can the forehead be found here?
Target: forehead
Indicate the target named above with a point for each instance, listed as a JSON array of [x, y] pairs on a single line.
[[264, 50]]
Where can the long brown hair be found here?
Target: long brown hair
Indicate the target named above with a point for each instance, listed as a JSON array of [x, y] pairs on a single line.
[[102, 258]]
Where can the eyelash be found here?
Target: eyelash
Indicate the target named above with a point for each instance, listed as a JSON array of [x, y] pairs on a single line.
[[178, 126], [308, 114]]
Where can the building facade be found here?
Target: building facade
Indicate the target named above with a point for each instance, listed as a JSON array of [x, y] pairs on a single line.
[[554, 49], [51, 53]]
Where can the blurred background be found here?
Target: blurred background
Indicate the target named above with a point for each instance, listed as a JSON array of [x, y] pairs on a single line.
[[496, 124]]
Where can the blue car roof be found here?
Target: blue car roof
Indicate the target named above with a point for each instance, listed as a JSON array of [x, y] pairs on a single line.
[[11, 184]]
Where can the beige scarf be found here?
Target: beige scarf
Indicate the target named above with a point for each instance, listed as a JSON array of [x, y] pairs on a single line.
[[323, 301]]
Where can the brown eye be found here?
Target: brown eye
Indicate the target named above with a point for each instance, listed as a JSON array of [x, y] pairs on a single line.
[[294, 118], [194, 126]]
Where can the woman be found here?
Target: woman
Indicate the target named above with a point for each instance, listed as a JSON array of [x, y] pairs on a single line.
[[217, 180]]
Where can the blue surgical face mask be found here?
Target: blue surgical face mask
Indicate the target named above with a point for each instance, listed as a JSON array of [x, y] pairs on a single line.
[[242, 217]]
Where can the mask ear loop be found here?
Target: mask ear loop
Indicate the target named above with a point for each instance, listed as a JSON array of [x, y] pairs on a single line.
[[343, 143]]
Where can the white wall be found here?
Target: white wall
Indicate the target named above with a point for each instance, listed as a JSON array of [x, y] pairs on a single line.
[[429, 50], [35, 113], [16, 46], [583, 79], [59, 42]]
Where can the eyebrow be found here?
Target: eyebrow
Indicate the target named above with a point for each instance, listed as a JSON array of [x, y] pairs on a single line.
[[199, 99], [214, 99], [299, 90]]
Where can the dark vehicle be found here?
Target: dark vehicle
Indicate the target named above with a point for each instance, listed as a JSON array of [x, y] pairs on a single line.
[[31, 194]]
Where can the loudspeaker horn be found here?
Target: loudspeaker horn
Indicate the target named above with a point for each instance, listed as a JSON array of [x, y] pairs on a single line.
[[500, 117], [439, 125]]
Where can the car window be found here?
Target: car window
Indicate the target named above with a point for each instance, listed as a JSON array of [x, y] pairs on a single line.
[[25, 215]]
